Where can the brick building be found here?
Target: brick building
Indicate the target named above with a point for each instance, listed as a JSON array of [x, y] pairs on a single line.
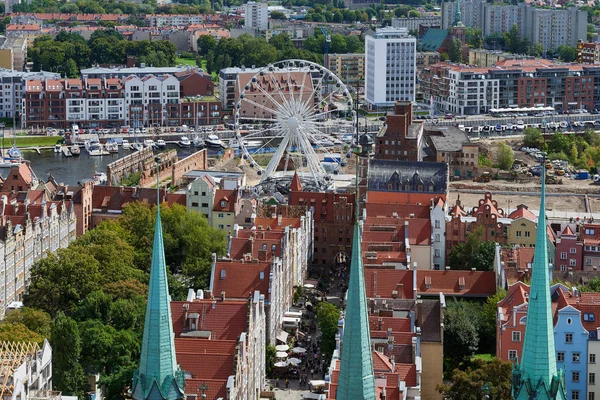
[[588, 52], [569, 251], [400, 138]]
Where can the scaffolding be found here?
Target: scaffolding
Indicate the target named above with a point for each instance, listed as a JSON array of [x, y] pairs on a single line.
[[12, 356]]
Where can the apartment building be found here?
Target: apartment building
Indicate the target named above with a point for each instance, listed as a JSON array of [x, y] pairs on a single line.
[[549, 27], [413, 23], [148, 100], [12, 85], [470, 90], [588, 52], [390, 68], [256, 15], [158, 20], [13, 53], [350, 68]]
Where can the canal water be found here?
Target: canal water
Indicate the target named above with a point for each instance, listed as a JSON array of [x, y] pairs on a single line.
[[71, 170]]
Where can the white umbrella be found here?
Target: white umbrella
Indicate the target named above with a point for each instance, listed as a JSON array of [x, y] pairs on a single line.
[[281, 364], [282, 347], [294, 361], [281, 354], [299, 350], [309, 286]]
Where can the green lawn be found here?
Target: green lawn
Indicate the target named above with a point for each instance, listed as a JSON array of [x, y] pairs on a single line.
[[185, 61], [33, 141], [485, 357]]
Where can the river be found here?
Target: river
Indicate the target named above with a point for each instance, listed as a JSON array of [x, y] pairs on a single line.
[[71, 170]]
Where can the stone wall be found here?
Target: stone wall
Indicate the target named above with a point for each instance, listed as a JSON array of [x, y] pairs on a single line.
[[130, 164], [196, 161], [167, 161]]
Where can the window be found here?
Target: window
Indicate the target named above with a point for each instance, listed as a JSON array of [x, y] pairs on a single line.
[[575, 376], [220, 215], [576, 357], [437, 223], [591, 396], [273, 247], [518, 233], [568, 338], [575, 395], [527, 234], [592, 378], [592, 358], [436, 253], [512, 355], [573, 250], [516, 336], [572, 262], [223, 274], [437, 237], [264, 246], [223, 203], [589, 231], [563, 255], [560, 356], [261, 275]]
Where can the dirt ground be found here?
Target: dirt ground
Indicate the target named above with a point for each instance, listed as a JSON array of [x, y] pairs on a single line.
[[575, 204]]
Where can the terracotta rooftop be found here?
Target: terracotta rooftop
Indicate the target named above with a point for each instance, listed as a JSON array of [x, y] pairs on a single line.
[[383, 282], [239, 279], [226, 320], [522, 212], [226, 196], [457, 283]]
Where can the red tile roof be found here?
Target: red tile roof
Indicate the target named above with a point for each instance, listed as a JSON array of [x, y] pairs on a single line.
[[382, 282], [453, 282], [225, 319], [241, 278], [228, 196], [401, 210], [567, 231], [296, 185], [408, 373], [274, 223], [396, 324], [522, 212]]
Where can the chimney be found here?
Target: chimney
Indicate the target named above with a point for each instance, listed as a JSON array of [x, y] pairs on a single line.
[[223, 296], [279, 220]]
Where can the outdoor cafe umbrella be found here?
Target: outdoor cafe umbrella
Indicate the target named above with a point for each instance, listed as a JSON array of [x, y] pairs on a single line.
[[281, 354], [281, 364], [294, 361], [299, 350], [282, 347]]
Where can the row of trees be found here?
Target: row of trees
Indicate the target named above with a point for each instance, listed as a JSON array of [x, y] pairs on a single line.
[[247, 50], [581, 151], [69, 52], [89, 299], [115, 7]]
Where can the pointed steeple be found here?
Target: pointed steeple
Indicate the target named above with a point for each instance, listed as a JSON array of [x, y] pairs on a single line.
[[356, 379], [158, 376], [296, 185], [458, 15], [536, 376]]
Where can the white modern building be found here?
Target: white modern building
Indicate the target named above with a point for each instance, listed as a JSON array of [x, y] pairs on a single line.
[[413, 23], [256, 15], [390, 68]]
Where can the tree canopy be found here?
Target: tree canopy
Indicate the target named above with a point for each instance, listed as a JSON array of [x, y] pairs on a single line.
[[328, 316], [481, 379], [473, 253], [505, 156]]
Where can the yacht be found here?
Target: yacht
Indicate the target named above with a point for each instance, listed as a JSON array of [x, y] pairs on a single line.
[[214, 142], [75, 151], [248, 144], [111, 146], [126, 145], [138, 146], [199, 142], [57, 148], [149, 143], [94, 148], [14, 153], [161, 144], [184, 141], [99, 178]]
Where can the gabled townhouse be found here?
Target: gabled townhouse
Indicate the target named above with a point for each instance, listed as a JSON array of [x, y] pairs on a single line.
[[589, 233], [523, 228], [221, 343], [569, 251], [226, 205]]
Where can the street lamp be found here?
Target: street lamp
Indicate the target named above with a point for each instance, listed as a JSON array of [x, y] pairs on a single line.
[[203, 388]]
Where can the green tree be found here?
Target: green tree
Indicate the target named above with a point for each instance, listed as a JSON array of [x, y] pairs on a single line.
[[559, 142], [455, 50], [468, 384], [533, 138], [270, 354], [328, 316], [59, 282], [474, 253], [96, 345], [567, 53], [474, 37], [414, 14], [37, 321], [513, 40], [17, 332], [505, 156], [536, 50], [495, 41], [461, 336], [277, 15], [67, 373], [489, 316]]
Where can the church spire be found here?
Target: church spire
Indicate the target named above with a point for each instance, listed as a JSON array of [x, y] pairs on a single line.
[[537, 376], [159, 376], [356, 379], [458, 15]]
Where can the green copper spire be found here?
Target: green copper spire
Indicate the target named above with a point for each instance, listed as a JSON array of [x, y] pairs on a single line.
[[356, 379], [158, 376], [458, 15], [537, 377]]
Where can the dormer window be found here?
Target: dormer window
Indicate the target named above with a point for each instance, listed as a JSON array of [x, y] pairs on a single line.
[[223, 203], [223, 274], [261, 275]]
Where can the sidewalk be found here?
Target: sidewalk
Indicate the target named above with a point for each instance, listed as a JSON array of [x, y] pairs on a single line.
[[294, 392]]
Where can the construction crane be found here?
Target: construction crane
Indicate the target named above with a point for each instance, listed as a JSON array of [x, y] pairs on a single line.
[[327, 41]]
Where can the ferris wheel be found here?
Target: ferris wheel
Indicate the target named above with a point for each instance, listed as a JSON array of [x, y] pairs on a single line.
[[300, 115]]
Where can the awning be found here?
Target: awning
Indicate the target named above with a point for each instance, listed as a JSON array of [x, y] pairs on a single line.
[[317, 383], [282, 336], [291, 319], [292, 314]]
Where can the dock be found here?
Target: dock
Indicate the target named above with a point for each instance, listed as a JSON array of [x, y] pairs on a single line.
[[65, 151]]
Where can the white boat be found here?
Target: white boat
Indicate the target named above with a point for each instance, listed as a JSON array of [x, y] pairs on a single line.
[[324, 143], [94, 148], [249, 144], [111, 146], [57, 148], [138, 146], [161, 144], [149, 143], [99, 178], [75, 151], [199, 142], [126, 145], [214, 142], [14, 153], [184, 141]]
